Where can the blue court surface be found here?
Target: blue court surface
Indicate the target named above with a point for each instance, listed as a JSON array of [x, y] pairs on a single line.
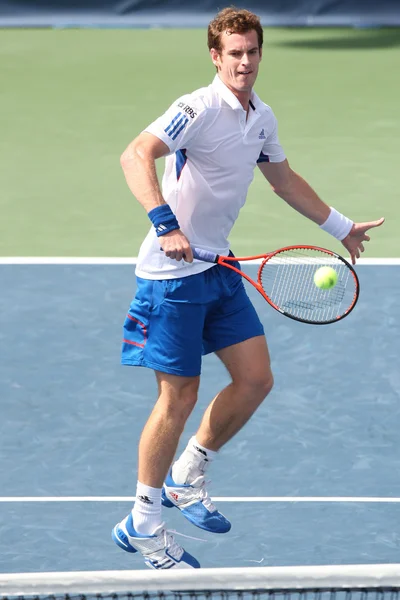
[[71, 417]]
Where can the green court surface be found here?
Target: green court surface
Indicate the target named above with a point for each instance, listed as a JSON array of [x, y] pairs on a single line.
[[71, 101]]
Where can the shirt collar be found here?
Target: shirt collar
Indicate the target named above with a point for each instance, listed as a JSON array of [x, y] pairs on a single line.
[[225, 93]]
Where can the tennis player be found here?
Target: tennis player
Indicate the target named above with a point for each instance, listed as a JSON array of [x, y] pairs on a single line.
[[212, 138]]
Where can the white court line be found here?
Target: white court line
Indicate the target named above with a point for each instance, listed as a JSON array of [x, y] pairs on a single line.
[[365, 499], [98, 260], [66, 260]]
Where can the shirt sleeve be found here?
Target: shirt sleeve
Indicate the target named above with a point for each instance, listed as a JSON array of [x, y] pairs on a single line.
[[179, 126], [272, 151]]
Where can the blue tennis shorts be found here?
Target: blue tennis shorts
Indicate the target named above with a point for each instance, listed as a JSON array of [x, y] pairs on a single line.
[[172, 323]]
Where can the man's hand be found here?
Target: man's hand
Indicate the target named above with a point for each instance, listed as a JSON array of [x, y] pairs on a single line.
[[176, 245], [354, 241]]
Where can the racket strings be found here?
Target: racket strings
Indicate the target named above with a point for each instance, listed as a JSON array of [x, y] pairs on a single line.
[[288, 279]]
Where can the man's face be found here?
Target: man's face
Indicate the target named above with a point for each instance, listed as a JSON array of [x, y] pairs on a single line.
[[239, 60]]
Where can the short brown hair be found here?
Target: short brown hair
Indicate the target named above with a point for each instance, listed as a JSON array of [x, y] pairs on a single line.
[[233, 20]]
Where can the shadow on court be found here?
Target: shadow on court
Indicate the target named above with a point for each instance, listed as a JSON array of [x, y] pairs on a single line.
[[349, 39], [71, 418]]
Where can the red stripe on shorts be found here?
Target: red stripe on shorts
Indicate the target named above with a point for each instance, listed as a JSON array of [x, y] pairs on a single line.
[[143, 326]]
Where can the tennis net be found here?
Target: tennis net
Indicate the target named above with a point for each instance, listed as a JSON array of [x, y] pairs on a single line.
[[350, 582]]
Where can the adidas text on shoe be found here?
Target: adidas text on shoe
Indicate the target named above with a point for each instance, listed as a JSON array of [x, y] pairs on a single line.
[[160, 550]]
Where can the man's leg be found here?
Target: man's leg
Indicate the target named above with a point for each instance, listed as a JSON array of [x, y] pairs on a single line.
[[160, 436], [143, 530], [159, 440], [248, 364]]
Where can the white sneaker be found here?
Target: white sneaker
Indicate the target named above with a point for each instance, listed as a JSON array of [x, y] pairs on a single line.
[[194, 503], [160, 550]]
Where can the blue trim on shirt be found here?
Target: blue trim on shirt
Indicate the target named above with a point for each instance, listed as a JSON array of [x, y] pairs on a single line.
[[181, 159], [263, 158]]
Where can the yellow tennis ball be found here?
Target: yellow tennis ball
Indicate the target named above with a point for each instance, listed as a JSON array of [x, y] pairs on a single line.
[[325, 278]]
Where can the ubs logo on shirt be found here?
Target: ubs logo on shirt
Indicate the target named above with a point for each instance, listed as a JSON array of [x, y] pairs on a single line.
[[188, 109]]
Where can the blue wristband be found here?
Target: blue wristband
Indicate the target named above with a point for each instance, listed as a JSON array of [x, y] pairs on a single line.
[[163, 219]]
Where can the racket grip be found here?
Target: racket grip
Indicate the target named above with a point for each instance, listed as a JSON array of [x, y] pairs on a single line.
[[204, 255]]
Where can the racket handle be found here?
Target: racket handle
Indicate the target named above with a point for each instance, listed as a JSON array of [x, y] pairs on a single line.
[[204, 255]]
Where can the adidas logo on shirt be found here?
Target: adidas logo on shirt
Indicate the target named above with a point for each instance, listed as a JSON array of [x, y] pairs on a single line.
[[262, 135]]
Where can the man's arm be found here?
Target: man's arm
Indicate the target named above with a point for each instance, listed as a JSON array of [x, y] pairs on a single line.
[[295, 191], [299, 195], [139, 167], [138, 163]]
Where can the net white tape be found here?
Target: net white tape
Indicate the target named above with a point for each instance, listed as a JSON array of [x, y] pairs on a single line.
[[250, 578]]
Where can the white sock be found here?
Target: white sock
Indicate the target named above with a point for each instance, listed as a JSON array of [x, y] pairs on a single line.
[[194, 461], [146, 512]]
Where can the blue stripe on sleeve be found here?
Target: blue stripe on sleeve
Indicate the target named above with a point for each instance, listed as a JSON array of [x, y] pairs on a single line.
[[177, 132], [177, 124], [173, 122]]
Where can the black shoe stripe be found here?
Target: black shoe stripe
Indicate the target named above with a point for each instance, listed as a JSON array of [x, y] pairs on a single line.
[[163, 565]]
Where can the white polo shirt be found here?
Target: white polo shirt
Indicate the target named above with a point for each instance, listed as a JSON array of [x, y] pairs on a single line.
[[214, 150]]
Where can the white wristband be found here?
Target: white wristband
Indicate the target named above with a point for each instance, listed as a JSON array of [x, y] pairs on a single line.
[[337, 225]]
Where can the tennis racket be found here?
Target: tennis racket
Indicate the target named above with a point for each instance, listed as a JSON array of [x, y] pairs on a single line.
[[285, 280]]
